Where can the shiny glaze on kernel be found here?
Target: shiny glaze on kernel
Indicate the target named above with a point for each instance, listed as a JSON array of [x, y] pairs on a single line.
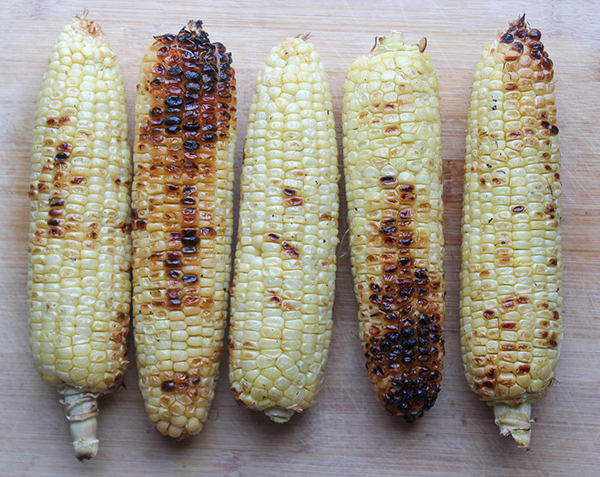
[[185, 136]]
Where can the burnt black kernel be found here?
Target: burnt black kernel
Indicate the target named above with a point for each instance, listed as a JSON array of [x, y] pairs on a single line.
[[408, 360], [191, 105], [170, 263], [174, 274], [191, 127], [409, 343], [173, 121], [191, 241], [406, 241], [421, 273], [173, 130], [190, 279], [173, 101], [61, 156], [223, 58], [535, 34], [385, 345], [507, 38], [208, 88], [423, 341], [553, 129], [406, 291], [191, 145], [536, 45], [210, 128], [225, 66], [192, 87], [408, 333], [208, 78], [157, 81], [168, 38], [522, 33], [421, 331], [192, 75], [208, 68], [168, 386], [210, 59], [156, 111], [393, 356], [224, 76], [393, 337], [405, 261], [185, 35], [424, 320], [174, 70], [190, 55], [517, 46], [209, 137], [388, 230], [535, 54], [188, 201]]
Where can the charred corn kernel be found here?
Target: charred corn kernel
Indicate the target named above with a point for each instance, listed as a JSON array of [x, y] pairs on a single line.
[[511, 324], [79, 247], [183, 219], [393, 166], [284, 278]]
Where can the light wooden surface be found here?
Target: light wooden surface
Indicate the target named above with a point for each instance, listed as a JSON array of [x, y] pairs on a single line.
[[347, 432]]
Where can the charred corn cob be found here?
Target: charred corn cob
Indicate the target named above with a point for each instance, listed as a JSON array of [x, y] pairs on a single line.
[[183, 218], [393, 166], [511, 323], [79, 248], [285, 261]]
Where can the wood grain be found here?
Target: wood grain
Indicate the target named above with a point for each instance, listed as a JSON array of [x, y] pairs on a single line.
[[347, 432]]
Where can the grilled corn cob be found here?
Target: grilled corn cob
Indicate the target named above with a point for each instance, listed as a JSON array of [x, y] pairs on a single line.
[[282, 300], [511, 323], [79, 247], [393, 165], [183, 219]]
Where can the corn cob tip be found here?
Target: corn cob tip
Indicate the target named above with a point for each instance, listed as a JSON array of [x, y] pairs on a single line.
[[514, 421], [279, 415], [395, 42], [82, 411]]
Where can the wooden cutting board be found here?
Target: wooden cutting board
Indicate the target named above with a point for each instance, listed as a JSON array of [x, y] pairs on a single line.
[[347, 432]]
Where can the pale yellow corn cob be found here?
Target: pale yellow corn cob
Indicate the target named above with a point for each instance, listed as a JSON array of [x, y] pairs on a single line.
[[511, 324], [183, 224], [79, 247], [393, 167], [284, 280]]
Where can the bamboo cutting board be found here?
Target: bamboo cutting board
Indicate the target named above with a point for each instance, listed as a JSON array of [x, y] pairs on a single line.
[[347, 432]]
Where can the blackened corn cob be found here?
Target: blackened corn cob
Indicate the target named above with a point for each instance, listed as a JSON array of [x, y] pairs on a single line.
[[79, 247], [393, 166], [511, 323], [183, 218]]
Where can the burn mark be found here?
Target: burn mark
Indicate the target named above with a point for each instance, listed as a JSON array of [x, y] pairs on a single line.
[[290, 250], [168, 386]]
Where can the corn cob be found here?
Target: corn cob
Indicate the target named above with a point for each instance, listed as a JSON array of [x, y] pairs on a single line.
[[393, 165], [511, 273], [284, 279], [79, 248], [183, 224]]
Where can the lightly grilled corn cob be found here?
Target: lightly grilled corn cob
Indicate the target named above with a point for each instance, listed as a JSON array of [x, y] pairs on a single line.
[[183, 224], [511, 324], [284, 279], [79, 248], [393, 166]]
